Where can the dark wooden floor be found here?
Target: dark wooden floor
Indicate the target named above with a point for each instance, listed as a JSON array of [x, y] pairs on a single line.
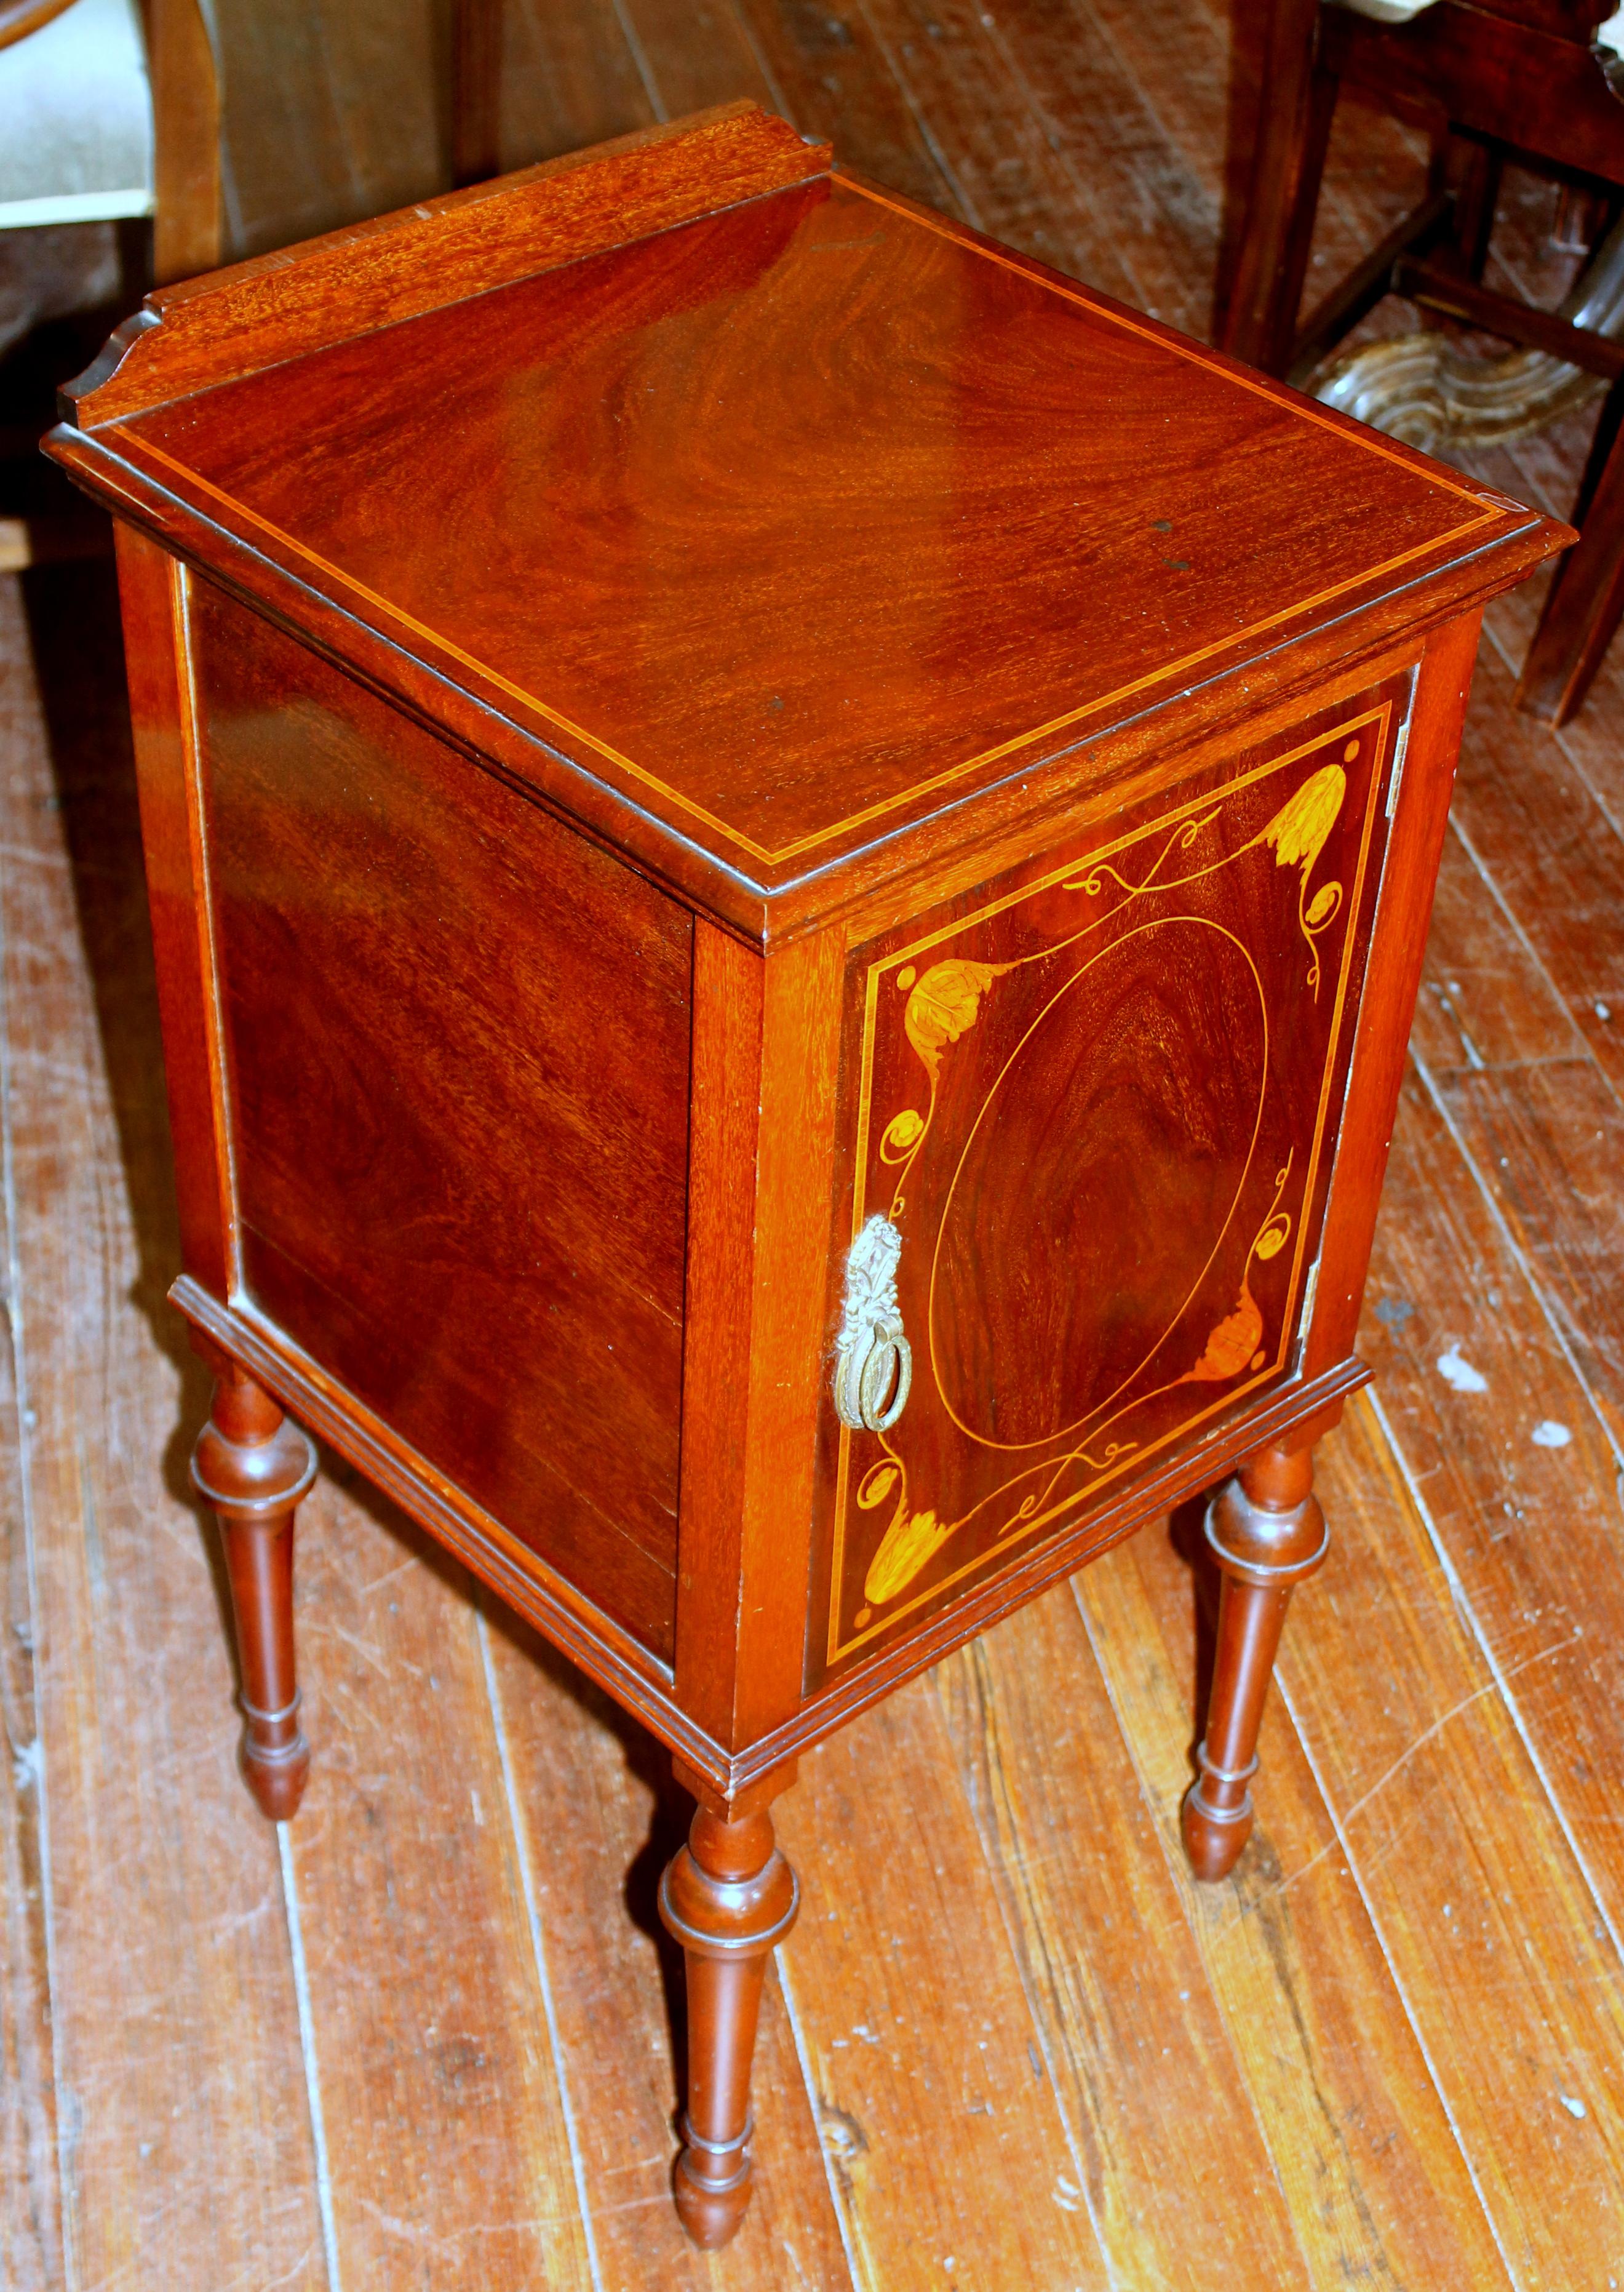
[[425, 2037]]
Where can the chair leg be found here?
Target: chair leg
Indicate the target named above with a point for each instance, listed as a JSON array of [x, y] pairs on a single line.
[[1587, 598], [251, 1466], [1299, 100], [727, 1897], [1471, 172], [1267, 1531]]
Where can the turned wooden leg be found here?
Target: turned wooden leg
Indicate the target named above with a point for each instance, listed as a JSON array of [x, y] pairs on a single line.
[[727, 1897], [1268, 1532], [1296, 103], [251, 1466], [1586, 601]]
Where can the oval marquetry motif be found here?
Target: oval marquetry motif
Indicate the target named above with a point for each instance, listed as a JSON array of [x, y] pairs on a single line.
[[1098, 1184]]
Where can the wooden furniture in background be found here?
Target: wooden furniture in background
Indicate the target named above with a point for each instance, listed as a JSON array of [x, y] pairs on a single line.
[[789, 859], [1493, 81], [266, 125], [160, 118], [189, 214]]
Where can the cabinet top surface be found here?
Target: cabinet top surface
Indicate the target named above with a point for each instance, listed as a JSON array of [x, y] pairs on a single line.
[[792, 522]]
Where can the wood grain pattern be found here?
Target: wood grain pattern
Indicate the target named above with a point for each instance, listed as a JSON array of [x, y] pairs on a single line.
[[655, 368], [458, 1048], [903, 2043], [1536, 826], [1509, 1011], [331, 111], [599, 1816], [761, 1152], [1019, 1061], [1468, 1896], [166, 782], [839, 80], [706, 759], [164, 1915], [1588, 746], [1529, 1520], [1373, 2178], [445, 2108], [189, 219], [1013, 171], [1420, 804], [1542, 91], [236, 321], [696, 52], [1126, 2020], [1546, 1154], [1485, 1000], [30, 2210], [570, 79]]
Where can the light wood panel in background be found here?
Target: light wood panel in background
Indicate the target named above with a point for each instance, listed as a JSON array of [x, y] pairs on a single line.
[[426, 2036]]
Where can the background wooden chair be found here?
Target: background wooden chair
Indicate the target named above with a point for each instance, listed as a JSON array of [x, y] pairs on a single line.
[[147, 141], [1490, 81], [109, 179]]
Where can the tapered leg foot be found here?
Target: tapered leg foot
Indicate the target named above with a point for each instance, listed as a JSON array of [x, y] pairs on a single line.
[[728, 1897], [1267, 1532], [251, 1466]]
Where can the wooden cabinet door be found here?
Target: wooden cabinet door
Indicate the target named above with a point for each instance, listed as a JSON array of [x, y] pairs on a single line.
[[1097, 1106]]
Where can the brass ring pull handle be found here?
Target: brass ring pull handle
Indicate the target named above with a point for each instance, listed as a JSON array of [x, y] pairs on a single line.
[[874, 1361]]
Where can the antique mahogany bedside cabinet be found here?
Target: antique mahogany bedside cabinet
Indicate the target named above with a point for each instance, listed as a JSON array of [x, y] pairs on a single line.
[[789, 859]]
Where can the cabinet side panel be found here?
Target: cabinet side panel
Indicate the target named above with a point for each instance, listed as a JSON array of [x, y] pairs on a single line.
[[151, 589], [457, 1056]]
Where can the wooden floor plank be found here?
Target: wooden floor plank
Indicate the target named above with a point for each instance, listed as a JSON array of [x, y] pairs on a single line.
[[1549, 1144], [950, 2150], [446, 2130], [1013, 173], [1375, 2181], [1515, 1985], [975, 1854], [1547, 845], [839, 83], [184, 2131], [1531, 1524], [1590, 741], [1130, 2029], [1486, 1000], [31, 2255], [698, 53], [331, 115], [1189, 105], [569, 77], [1156, 228], [602, 1818]]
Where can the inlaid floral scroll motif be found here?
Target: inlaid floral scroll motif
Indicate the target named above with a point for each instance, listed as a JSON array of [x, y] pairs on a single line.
[[1171, 916]]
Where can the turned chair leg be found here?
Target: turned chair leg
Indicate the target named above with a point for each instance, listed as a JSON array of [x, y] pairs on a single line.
[[1267, 1532], [251, 1465], [1297, 102], [727, 1896], [1585, 599]]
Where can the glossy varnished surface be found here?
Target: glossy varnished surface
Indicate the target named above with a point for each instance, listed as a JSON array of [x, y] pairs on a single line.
[[1358, 2047], [457, 1042], [792, 521], [1099, 1108], [840, 517], [1363, 2059]]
